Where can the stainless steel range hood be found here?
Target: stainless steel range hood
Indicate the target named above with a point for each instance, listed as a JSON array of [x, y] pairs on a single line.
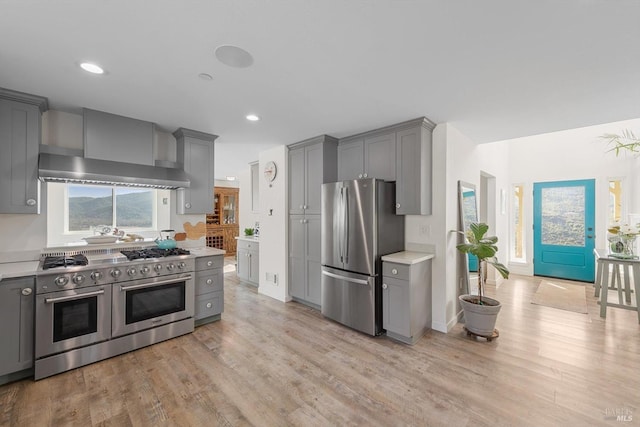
[[62, 168]]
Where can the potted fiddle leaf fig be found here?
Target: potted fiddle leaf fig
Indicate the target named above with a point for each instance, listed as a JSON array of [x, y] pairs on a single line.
[[481, 312]]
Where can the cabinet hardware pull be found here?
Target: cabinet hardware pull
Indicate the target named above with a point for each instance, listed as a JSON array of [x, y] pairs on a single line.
[[31, 202], [384, 286], [209, 281], [26, 291]]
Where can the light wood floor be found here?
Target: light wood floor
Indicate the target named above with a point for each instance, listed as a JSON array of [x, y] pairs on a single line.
[[272, 364]]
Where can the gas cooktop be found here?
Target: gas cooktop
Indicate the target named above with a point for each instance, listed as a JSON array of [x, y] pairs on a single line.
[[154, 253]]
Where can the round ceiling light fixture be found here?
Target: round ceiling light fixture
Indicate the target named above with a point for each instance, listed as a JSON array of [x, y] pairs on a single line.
[[233, 56], [92, 68], [253, 117]]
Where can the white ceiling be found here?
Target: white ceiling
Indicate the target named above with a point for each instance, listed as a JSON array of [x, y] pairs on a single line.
[[495, 69]]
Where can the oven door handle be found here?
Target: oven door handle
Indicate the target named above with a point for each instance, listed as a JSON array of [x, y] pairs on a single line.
[[149, 285], [72, 297]]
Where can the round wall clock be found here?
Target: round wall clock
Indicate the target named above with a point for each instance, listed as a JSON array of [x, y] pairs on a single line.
[[270, 171]]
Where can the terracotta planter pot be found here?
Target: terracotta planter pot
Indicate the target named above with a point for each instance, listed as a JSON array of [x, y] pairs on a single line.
[[480, 319]]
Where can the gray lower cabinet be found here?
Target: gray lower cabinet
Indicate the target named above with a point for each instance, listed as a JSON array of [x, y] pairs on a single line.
[[248, 261], [371, 156], [20, 136], [209, 279], [400, 153], [16, 328], [195, 153], [304, 259], [406, 300]]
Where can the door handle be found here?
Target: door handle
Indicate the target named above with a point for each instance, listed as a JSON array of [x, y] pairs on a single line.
[[346, 279], [589, 236]]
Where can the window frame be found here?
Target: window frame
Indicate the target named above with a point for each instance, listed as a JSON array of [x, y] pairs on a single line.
[[154, 211]]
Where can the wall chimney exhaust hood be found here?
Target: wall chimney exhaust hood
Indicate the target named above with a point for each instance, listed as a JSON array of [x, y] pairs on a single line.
[[82, 170]]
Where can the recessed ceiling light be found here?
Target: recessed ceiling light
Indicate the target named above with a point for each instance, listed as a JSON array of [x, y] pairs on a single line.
[[233, 56], [92, 68], [253, 118], [231, 178], [205, 76]]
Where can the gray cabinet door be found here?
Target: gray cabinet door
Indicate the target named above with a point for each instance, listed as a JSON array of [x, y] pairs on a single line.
[[413, 166], [313, 270], [351, 160], [396, 308], [380, 157], [195, 153], [314, 177], [296, 181], [16, 324], [20, 140], [242, 264], [254, 267], [297, 257]]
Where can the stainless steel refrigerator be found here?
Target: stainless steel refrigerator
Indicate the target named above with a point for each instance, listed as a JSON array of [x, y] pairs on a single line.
[[359, 225]]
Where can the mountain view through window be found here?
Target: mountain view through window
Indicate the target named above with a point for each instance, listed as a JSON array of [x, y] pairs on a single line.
[[122, 207]]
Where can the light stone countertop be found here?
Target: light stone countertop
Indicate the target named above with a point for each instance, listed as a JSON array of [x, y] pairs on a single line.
[[206, 251], [407, 257], [249, 238], [18, 269]]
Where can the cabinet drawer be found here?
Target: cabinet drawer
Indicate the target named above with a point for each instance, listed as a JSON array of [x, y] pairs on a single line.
[[395, 270], [209, 304], [246, 244], [209, 281], [207, 262]]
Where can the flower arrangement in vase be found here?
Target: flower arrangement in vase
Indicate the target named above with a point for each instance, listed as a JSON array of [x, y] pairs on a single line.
[[622, 239]]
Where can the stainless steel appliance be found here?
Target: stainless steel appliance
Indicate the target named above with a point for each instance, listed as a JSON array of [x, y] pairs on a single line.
[[359, 225], [94, 305]]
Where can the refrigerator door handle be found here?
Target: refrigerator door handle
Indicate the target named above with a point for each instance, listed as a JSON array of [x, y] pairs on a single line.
[[346, 279], [346, 221], [340, 224]]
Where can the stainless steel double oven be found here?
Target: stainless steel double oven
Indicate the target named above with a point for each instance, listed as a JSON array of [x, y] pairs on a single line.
[[89, 313]]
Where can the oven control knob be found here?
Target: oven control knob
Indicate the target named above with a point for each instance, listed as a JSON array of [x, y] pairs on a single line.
[[170, 267], [181, 265], [144, 270], [61, 281], [131, 271], [157, 267], [96, 275], [78, 279], [116, 273]]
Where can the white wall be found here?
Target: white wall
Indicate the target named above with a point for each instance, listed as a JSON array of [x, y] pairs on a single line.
[[571, 155], [248, 218], [455, 157], [273, 226]]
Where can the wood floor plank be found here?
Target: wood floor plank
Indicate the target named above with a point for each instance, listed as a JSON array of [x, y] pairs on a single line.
[[268, 363]]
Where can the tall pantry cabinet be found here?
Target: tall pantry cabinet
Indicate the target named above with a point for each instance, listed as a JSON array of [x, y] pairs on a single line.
[[311, 163]]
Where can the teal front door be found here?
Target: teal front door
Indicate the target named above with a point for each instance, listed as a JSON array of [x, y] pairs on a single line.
[[563, 229]]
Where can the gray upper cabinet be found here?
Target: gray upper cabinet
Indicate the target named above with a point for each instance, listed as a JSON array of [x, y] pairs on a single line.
[[380, 157], [117, 138], [311, 164], [400, 153], [414, 169], [195, 153], [16, 324], [20, 136], [350, 160]]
